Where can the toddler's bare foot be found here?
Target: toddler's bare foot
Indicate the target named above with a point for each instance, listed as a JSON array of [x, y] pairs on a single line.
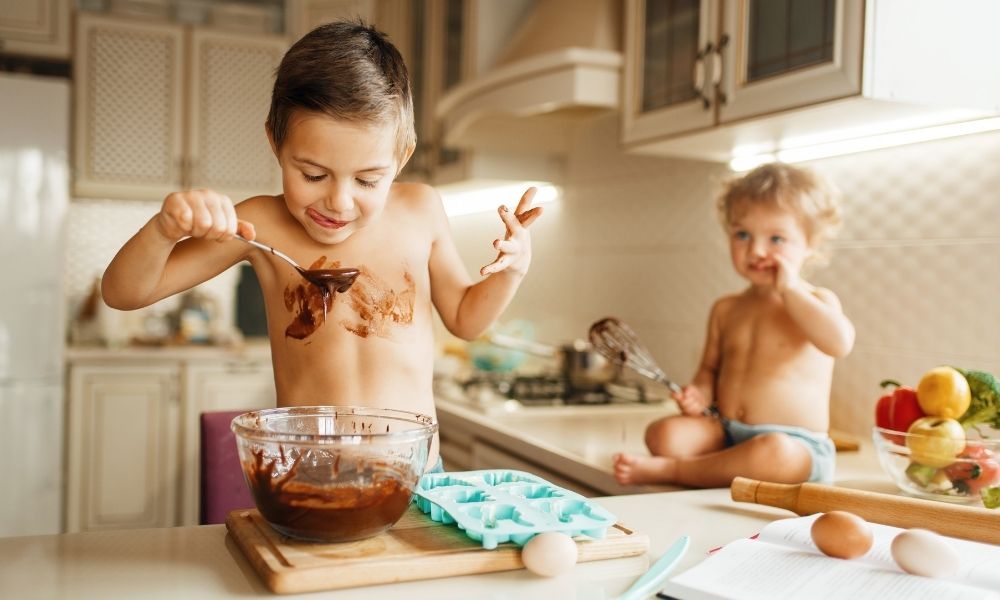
[[631, 469]]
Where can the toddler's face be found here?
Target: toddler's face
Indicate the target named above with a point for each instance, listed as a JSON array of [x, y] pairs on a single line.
[[759, 234], [336, 174]]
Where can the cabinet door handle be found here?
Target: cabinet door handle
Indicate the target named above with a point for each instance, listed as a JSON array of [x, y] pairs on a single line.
[[717, 68], [699, 75]]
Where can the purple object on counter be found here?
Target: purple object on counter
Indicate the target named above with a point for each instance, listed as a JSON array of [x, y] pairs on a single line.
[[223, 487]]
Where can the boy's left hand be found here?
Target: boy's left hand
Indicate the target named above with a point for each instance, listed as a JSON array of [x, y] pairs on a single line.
[[515, 248]]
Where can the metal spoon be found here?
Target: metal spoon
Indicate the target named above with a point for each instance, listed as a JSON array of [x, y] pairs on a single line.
[[327, 280]]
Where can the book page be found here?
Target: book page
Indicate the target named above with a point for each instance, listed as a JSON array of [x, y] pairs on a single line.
[[755, 570], [979, 564]]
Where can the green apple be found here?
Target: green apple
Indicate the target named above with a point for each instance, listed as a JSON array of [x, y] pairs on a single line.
[[935, 441]]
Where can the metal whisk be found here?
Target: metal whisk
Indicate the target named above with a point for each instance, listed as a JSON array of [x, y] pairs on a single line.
[[618, 343]]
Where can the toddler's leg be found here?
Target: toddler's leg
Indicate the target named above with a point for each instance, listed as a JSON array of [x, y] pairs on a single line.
[[682, 436], [768, 457], [669, 439]]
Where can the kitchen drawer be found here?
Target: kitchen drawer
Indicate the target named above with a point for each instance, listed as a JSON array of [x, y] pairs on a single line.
[[456, 457], [486, 456]]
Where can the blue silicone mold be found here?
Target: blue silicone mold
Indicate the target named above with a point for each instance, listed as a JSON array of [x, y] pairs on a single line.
[[499, 505]]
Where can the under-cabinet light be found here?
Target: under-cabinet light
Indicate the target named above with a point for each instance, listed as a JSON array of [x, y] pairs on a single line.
[[488, 199], [866, 143]]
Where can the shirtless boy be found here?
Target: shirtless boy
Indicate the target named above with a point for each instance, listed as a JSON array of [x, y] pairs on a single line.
[[758, 406], [341, 128]]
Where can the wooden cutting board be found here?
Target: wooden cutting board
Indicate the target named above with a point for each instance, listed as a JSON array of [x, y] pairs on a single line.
[[415, 548]]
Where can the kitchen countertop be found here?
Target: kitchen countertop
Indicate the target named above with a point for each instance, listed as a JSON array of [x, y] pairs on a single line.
[[248, 350], [579, 442], [204, 562]]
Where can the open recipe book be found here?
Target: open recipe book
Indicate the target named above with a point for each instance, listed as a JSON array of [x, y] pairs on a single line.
[[783, 562]]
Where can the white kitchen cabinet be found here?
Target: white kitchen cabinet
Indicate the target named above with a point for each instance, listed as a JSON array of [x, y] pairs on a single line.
[[122, 446], [133, 433], [209, 387], [669, 47], [683, 72], [230, 93], [162, 107], [780, 55], [715, 79], [128, 108], [35, 27]]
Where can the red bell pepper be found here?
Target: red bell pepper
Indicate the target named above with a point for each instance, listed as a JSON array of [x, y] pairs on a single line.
[[897, 409]]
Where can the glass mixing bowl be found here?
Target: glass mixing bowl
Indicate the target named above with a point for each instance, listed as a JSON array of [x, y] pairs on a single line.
[[939, 468], [332, 473]]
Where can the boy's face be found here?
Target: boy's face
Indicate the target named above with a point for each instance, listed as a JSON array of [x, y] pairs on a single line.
[[335, 174], [759, 234]]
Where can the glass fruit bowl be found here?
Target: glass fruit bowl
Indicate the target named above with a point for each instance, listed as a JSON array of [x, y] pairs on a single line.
[[332, 473], [940, 467]]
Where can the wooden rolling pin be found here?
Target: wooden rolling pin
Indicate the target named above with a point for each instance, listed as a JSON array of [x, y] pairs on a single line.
[[967, 522]]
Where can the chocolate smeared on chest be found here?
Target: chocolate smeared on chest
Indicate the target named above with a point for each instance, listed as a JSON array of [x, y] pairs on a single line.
[[378, 305], [310, 302]]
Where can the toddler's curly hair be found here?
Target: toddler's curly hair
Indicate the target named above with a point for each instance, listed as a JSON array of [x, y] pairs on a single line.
[[810, 197]]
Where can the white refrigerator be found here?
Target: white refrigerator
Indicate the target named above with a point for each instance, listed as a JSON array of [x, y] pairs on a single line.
[[34, 197]]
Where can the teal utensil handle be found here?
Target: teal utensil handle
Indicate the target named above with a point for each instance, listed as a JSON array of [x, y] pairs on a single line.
[[654, 578]]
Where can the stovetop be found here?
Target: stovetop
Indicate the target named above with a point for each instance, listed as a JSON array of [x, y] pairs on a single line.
[[550, 390]]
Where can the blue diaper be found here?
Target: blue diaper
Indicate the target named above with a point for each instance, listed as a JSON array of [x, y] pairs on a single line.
[[820, 445]]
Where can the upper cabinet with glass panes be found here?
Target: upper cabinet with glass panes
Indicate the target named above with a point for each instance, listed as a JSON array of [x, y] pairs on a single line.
[[779, 54], [716, 78]]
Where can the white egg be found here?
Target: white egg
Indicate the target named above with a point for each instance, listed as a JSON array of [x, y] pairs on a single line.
[[923, 552], [549, 554]]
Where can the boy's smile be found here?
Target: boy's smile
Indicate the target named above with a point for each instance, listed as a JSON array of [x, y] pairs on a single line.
[[336, 174]]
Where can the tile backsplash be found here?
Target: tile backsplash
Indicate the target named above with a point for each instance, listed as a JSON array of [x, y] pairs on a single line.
[[915, 264], [96, 231]]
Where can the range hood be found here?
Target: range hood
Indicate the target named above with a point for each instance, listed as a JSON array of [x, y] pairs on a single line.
[[563, 63]]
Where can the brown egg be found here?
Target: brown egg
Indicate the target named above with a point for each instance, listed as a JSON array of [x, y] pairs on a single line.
[[841, 534]]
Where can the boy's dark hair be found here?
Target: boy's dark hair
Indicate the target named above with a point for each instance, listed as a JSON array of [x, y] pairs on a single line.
[[349, 71]]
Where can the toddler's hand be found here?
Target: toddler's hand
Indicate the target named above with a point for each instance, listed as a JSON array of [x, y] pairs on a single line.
[[200, 214], [785, 278], [690, 400], [515, 248]]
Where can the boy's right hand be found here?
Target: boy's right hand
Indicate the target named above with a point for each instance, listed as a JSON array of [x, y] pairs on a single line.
[[691, 401], [200, 214]]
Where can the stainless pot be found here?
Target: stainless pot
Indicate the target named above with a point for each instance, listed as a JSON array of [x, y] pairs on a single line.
[[584, 368]]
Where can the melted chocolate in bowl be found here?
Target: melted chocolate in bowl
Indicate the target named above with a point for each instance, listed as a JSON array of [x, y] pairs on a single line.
[[327, 513], [332, 473]]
